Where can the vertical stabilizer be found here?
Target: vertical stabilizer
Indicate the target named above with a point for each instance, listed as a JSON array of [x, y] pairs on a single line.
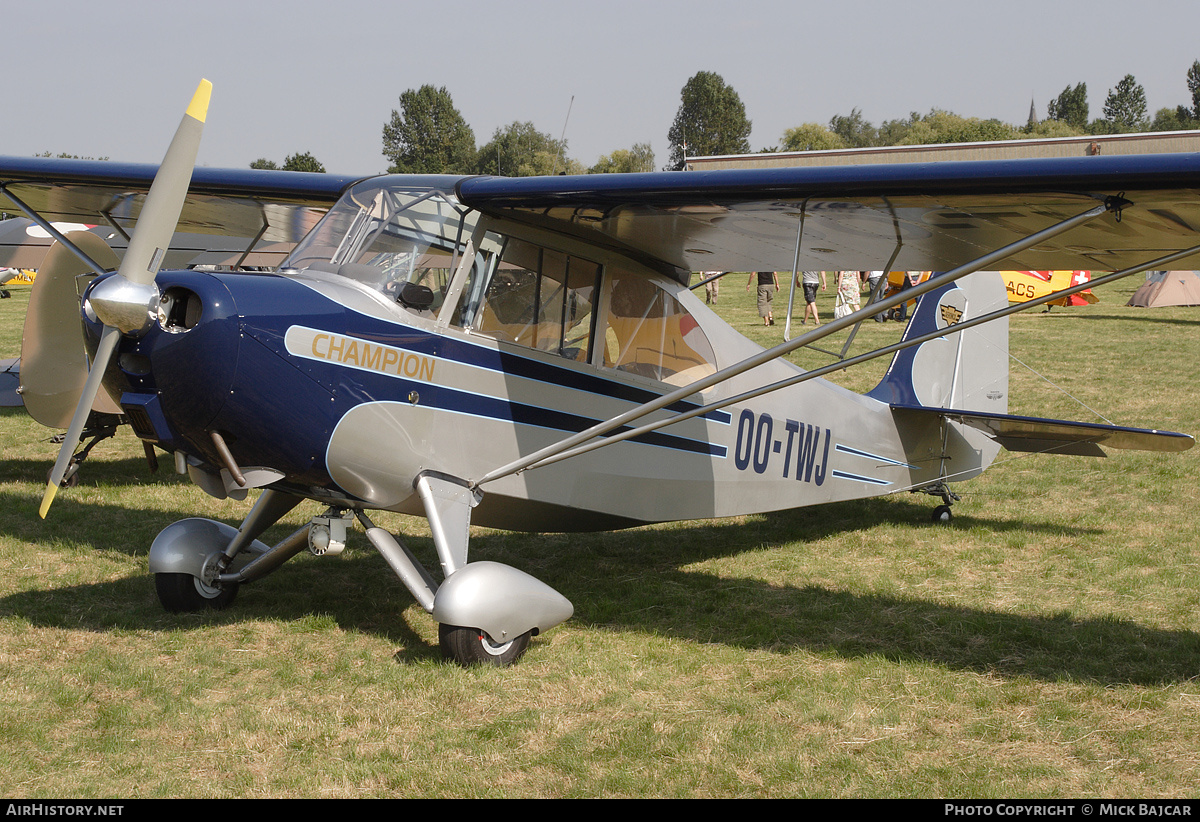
[[967, 370]]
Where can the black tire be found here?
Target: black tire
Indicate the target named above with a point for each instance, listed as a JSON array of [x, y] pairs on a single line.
[[71, 477], [942, 514], [184, 593], [471, 646]]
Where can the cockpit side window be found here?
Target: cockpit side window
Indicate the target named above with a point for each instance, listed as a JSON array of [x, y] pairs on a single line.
[[540, 298], [650, 333]]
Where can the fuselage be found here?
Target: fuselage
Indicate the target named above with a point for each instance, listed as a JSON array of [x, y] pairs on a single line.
[[324, 380]]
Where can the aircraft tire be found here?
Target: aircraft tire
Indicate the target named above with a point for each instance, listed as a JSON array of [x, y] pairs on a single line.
[[471, 646], [184, 593], [71, 478], [942, 514]]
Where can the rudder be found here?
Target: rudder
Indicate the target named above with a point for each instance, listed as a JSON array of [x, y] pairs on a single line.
[[966, 370]]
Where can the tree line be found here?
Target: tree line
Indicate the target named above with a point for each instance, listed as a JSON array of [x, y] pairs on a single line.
[[428, 135], [1125, 111]]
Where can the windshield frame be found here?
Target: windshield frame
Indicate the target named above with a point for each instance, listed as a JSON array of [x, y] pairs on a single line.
[[385, 232]]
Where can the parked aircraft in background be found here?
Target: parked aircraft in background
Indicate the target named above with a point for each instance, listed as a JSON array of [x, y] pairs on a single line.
[[1023, 286], [526, 353]]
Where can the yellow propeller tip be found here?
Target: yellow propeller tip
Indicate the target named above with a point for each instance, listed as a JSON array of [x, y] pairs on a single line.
[[198, 108], [51, 490]]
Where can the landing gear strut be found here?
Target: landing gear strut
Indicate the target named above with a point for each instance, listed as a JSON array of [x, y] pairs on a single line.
[[487, 611], [99, 427]]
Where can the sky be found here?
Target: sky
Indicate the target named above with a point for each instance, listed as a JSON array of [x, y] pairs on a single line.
[[110, 78]]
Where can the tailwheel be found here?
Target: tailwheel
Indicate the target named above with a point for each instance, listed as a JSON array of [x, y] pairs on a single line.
[[942, 514], [471, 646], [184, 593]]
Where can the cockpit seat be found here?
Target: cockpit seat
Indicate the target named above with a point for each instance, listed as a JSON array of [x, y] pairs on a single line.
[[414, 296]]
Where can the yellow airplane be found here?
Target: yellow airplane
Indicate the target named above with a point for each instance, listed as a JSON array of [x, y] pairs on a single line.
[[1023, 286], [21, 276]]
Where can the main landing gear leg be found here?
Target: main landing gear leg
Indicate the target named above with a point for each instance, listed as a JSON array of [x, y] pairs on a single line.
[[99, 427], [486, 611], [190, 559]]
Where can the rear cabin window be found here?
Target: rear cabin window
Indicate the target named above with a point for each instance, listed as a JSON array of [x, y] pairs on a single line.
[[648, 332]]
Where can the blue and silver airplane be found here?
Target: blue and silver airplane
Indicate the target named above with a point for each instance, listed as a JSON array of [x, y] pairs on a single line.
[[527, 353]]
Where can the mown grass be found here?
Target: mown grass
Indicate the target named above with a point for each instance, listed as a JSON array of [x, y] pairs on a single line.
[[1044, 644]]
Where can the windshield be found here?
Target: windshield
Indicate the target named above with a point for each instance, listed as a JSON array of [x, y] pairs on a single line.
[[386, 236]]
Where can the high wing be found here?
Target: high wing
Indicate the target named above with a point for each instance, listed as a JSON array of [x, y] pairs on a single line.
[[932, 217], [227, 211], [344, 427]]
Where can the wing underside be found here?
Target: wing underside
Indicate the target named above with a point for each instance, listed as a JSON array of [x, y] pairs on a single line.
[[932, 217], [227, 211], [918, 216]]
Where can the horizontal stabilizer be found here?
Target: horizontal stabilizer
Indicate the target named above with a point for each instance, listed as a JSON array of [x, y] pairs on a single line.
[[1058, 436]]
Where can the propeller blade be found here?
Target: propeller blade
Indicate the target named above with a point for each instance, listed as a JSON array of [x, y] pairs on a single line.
[[108, 344], [132, 295], [160, 213], [54, 364]]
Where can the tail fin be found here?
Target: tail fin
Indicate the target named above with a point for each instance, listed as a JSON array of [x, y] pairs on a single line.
[[967, 370], [949, 395]]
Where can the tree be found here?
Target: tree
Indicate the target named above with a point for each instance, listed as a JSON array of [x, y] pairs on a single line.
[[893, 132], [1055, 128], [624, 161], [947, 127], [1070, 107], [294, 162], [303, 162], [1173, 119], [1125, 107], [428, 135], [520, 150], [1193, 84], [810, 137], [711, 120], [854, 130], [62, 155]]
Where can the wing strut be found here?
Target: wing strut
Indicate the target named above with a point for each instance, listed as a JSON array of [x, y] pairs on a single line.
[[881, 285], [822, 331], [787, 326], [49, 228]]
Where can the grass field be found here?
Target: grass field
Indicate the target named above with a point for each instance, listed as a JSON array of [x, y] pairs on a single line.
[[1046, 643]]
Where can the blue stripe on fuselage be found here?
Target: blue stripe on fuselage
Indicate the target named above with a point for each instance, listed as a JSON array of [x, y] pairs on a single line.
[[365, 327]]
